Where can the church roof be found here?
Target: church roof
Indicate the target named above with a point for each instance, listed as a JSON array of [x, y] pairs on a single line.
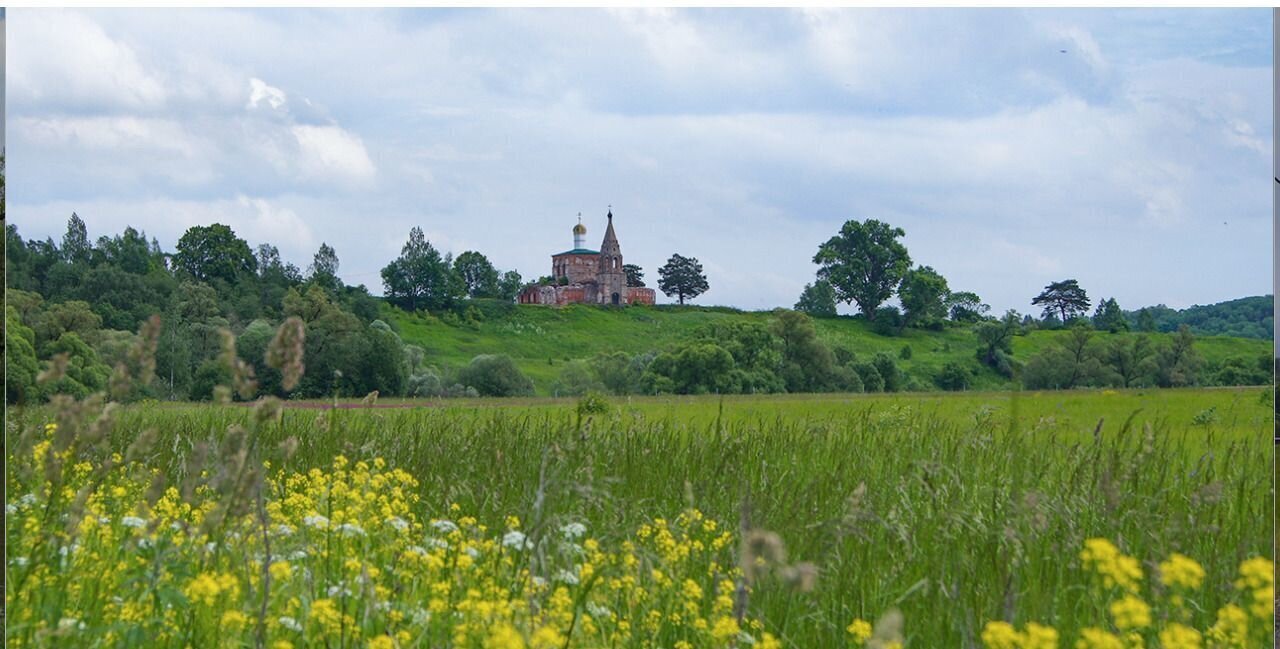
[[577, 251], [609, 236]]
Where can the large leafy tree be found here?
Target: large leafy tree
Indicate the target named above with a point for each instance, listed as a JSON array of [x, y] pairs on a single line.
[[510, 284], [324, 268], [864, 263], [817, 299], [966, 306], [478, 275], [682, 277], [420, 276], [208, 252], [924, 297], [635, 275], [1065, 299]]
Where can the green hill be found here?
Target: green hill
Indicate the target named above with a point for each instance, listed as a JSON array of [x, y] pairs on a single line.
[[541, 339]]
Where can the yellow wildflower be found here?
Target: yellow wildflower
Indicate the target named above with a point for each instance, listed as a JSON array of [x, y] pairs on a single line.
[[860, 629], [1177, 636], [1130, 612], [1181, 571]]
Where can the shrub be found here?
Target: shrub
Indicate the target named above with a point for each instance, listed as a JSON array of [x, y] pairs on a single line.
[[888, 371], [593, 403], [871, 379], [906, 353], [888, 321], [954, 377], [495, 375]]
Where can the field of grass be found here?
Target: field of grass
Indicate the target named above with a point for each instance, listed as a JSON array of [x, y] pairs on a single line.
[[955, 510], [542, 339]]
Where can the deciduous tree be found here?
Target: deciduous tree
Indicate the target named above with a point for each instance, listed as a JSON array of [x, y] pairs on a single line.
[[864, 263]]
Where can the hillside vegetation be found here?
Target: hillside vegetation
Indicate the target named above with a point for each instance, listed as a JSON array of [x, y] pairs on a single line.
[[541, 340]]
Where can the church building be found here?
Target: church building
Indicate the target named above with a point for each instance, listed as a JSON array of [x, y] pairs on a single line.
[[585, 276]]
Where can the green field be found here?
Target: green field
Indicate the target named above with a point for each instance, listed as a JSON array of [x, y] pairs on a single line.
[[542, 339], [953, 509]]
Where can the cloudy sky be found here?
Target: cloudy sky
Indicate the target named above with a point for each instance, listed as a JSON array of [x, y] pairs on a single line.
[[1130, 150]]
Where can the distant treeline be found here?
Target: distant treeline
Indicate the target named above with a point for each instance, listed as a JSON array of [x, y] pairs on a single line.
[[1248, 317], [73, 307]]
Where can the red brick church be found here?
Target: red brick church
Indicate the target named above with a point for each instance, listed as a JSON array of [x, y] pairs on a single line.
[[588, 276]]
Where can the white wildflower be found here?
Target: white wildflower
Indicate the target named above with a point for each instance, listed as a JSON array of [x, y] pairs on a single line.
[[444, 526], [472, 552], [316, 520], [598, 610], [351, 529], [297, 555], [284, 530], [398, 523], [290, 624], [567, 576], [516, 539], [573, 530], [133, 521], [20, 561]]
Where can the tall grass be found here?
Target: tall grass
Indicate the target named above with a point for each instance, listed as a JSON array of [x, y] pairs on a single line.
[[952, 518]]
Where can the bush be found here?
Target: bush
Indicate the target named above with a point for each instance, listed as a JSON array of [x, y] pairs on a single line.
[[593, 403], [576, 378], [953, 377], [888, 371], [906, 353], [871, 379], [888, 321], [495, 375]]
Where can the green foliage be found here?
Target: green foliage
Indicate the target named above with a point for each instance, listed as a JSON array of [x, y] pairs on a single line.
[[1250, 317], [324, 268], [593, 403], [924, 294], [576, 379], [509, 286], [635, 275], [479, 277], [864, 263], [1109, 317], [888, 371], [1074, 361], [870, 377], [84, 374], [420, 277], [494, 375], [1065, 299], [888, 321], [1177, 362], [906, 353], [995, 343], [214, 252], [953, 377], [65, 317], [965, 306], [1130, 360], [818, 300], [21, 366], [808, 364], [682, 277]]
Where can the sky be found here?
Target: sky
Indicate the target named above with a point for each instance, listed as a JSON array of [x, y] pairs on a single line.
[[1127, 149]]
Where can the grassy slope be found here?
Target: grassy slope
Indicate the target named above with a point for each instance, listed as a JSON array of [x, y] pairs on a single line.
[[541, 339]]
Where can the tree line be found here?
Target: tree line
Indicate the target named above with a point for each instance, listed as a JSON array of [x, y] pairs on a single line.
[[75, 305]]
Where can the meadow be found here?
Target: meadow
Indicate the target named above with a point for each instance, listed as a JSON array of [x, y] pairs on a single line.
[[541, 340], [797, 520]]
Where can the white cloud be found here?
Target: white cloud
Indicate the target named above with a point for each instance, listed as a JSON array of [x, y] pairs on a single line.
[[259, 92], [63, 57], [331, 152]]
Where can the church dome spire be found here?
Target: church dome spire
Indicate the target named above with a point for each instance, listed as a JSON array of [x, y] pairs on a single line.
[[579, 234]]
